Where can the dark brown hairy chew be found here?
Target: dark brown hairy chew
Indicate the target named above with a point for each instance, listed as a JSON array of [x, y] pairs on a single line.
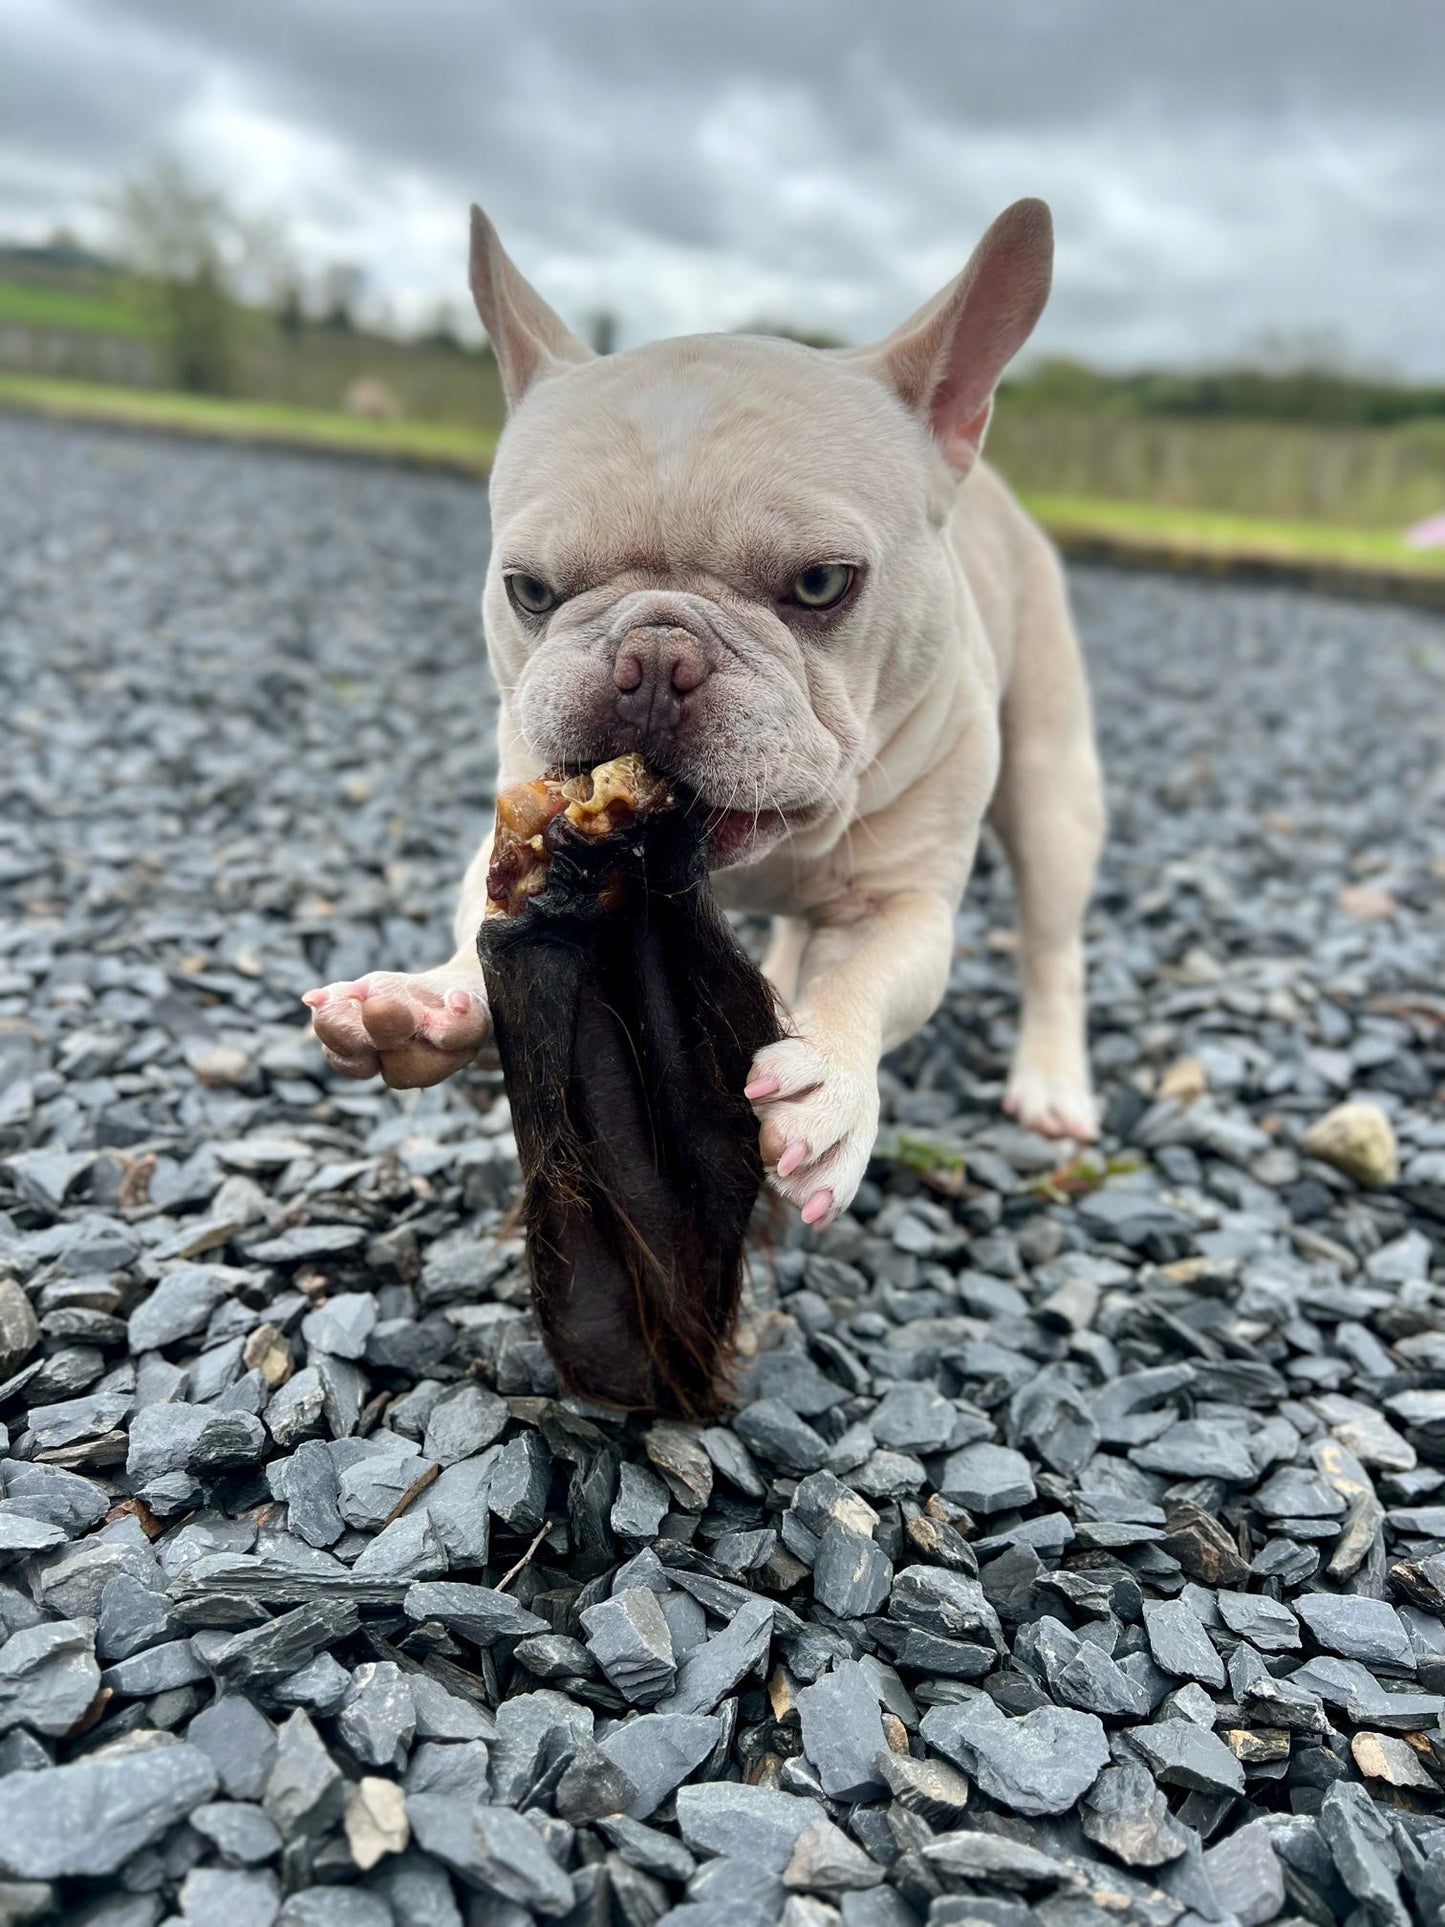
[[627, 1016]]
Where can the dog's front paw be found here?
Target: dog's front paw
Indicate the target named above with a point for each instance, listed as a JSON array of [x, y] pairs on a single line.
[[412, 1030], [1048, 1089], [819, 1116]]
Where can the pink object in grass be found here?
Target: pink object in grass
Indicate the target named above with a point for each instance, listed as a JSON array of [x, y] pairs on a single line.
[[1429, 534]]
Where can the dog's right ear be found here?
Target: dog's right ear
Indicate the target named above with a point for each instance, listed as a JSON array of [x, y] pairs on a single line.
[[945, 361], [529, 339]]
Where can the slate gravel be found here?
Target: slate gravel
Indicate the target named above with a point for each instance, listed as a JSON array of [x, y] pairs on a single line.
[[1077, 1552]]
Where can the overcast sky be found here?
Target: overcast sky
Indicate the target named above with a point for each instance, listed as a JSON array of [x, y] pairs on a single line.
[[1220, 173]]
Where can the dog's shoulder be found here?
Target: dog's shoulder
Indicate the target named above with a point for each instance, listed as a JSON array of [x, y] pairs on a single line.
[[1004, 554]]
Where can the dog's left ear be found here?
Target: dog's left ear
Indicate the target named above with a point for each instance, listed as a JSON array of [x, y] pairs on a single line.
[[945, 361], [529, 338]]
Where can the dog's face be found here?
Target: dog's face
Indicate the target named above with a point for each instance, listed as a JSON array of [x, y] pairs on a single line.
[[724, 551], [709, 550]]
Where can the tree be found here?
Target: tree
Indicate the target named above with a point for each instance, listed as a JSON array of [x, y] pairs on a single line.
[[442, 333], [186, 249], [341, 291], [290, 311]]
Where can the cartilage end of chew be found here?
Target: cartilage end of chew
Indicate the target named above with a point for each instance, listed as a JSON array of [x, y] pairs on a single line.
[[611, 797]]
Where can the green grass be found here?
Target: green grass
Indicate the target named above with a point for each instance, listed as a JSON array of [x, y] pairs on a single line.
[[940, 1165], [1136, 529], [1207, 533], [437, 444], [35, 305]]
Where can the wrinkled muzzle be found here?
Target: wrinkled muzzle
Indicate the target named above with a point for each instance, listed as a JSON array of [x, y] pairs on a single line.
[[709, 694]]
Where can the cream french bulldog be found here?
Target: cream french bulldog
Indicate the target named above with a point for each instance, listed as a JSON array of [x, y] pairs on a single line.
[[784, 575]]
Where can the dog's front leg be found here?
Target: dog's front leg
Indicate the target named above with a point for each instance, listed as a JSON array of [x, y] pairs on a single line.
[[865, 983], [412, 1028]]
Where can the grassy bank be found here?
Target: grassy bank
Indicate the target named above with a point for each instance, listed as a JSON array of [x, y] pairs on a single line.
[[1325, 554], [1295, 472], [272, 424], [1074, 520], [93, 311]]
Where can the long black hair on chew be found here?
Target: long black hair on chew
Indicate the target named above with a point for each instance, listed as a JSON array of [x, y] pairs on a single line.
[[627, 1016]]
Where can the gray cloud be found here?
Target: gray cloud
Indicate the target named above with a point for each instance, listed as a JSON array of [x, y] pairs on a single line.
[[1217, 174]]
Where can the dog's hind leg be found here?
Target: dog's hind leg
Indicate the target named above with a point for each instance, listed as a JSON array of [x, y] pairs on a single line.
[[1049, 811]]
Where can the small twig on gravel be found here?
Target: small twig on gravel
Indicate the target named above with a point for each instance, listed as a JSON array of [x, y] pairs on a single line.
[[417, 1485], [526, 1558]]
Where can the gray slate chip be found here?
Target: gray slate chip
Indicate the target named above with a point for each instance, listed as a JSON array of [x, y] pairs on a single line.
[[478, 1613], [319, 1686], [658, 1751], [1366, 1859], [448, 1767], [843, 1732], [307, 1482], [851, 1575], [335, 1907], [1125, 1811], [457, 1504], [463, 1423], [1041, 1763], [774, 1433], [631, 1641], [133, 1614], [1357, 1627], [229, 1897], [591, 1785], [89, 1818], [647, 1848], [282, 1645], [344, 1323], [48, 1676], [913, 1418], [1179, 1643], [987, 1478], [1268, 1624], [491, 1848], [1183, 1754], [641, 1504], [377, 1718], [753, 1825], [1194, 1449], [371, 1488], [945, 1603], [156, 1670], [242, 1832], [715, 1668], [305, 1791], [520, 1480], [182, 1302], [1246, 1875], [240, 1743]]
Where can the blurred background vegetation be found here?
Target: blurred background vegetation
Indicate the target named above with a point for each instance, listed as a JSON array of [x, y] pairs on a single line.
[[187, 301]]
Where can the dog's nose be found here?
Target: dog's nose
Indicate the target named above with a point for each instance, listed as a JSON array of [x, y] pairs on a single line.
[[655, 670]]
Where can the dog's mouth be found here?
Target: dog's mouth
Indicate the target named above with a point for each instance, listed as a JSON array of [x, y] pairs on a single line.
[[741, 836], [733, 836]]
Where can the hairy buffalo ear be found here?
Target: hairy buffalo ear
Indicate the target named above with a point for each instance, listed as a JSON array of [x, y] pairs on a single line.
[[529, 338], [944, 362]]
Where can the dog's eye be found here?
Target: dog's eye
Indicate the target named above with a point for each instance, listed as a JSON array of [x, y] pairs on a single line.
[[530, 594], [820, 586]]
